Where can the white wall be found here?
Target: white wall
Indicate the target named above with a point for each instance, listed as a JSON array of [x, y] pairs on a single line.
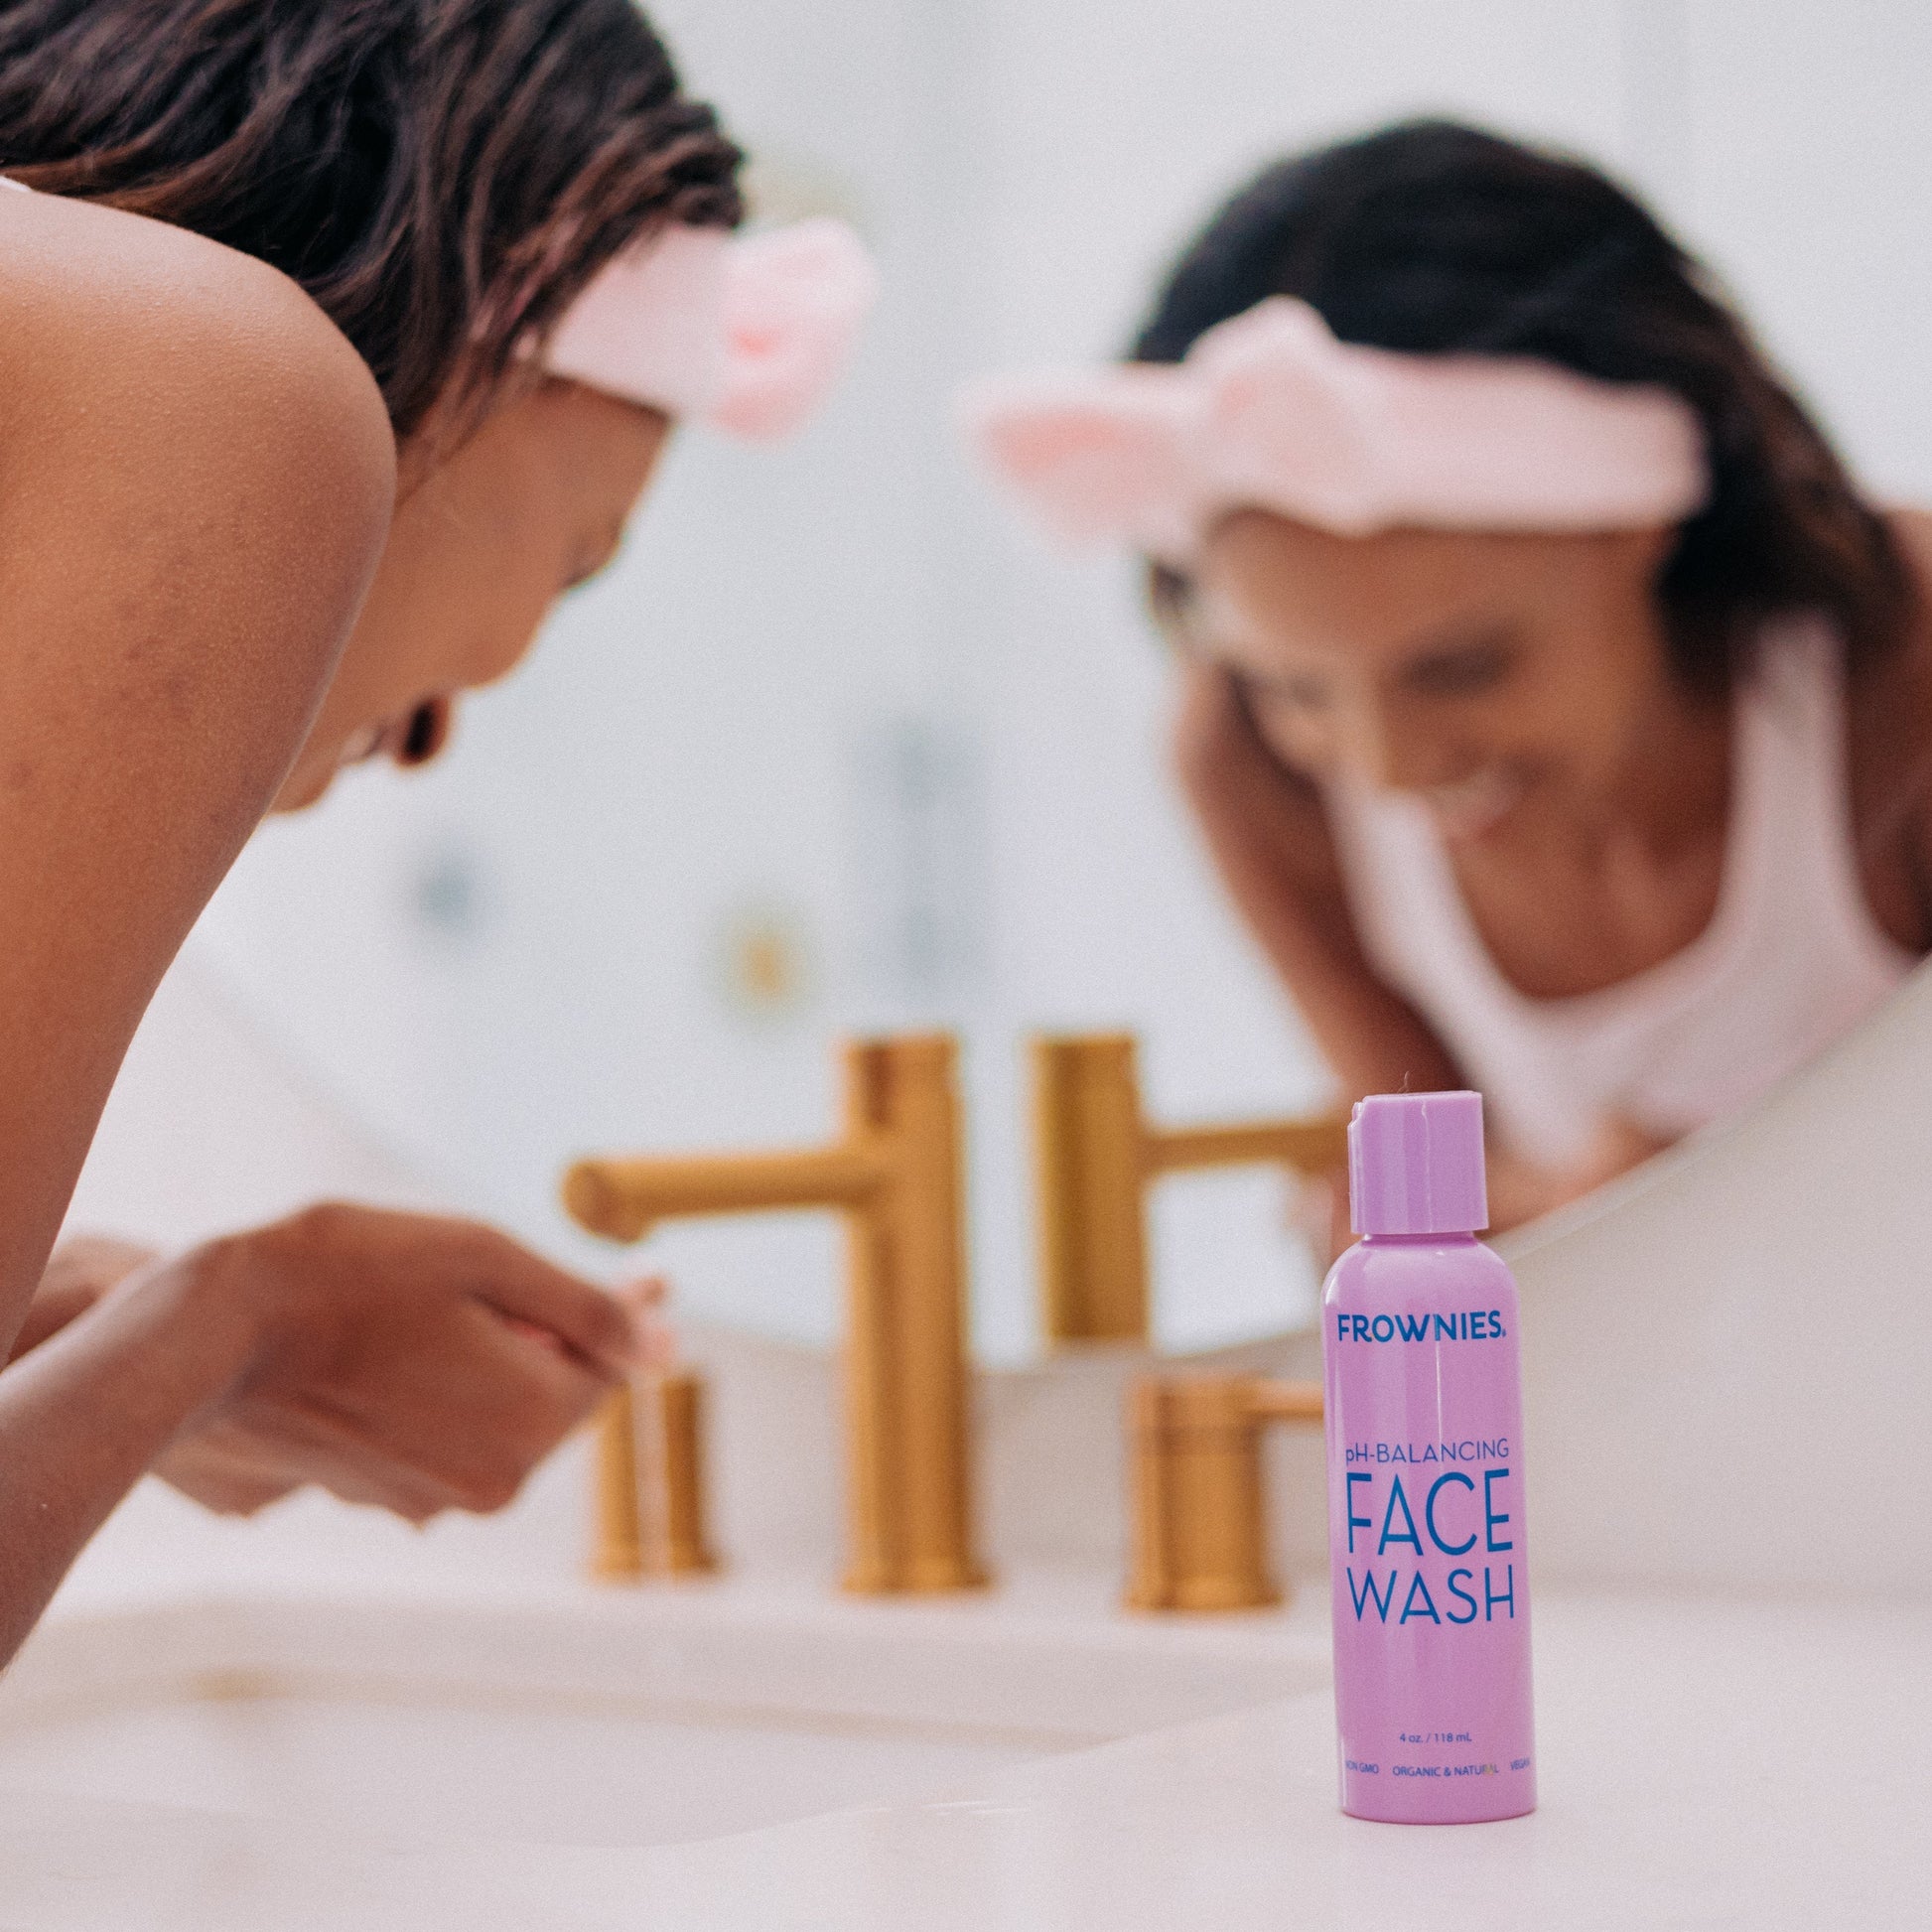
[[698, 739], [211, 1128]]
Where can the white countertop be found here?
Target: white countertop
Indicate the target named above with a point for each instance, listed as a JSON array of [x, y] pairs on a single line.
[[1703, 1764]]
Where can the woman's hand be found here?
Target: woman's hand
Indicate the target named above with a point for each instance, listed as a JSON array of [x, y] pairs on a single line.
[[82, 1269], [220, 1466], [404, 1360]]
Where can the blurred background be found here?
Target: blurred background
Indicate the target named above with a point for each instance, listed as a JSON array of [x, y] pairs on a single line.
[[835, 747]]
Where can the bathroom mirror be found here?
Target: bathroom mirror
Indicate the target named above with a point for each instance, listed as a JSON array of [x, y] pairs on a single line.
[[835, 747]]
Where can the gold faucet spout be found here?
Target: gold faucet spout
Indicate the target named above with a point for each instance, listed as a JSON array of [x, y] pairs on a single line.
[[1302, 1146], [623, 1199]]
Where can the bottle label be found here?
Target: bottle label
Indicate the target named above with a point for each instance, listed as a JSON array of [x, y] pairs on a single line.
[[1429, 1558]]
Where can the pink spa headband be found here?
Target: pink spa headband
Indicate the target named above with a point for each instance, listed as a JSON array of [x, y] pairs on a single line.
[[1269, 411], [746, 333]]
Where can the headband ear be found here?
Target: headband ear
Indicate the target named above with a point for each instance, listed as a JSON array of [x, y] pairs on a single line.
[[1291, 424], [745, 333], [794, 301], [1093, 454]]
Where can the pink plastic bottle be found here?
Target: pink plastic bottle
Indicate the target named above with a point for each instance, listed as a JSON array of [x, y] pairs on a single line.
[[1426, 1529]]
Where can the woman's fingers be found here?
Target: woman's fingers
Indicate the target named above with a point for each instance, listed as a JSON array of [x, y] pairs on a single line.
[[81, 1271], [606, 1331], [452, 1415], [418, 1362], [228, 1484], [645, 1298], [252, 1459]]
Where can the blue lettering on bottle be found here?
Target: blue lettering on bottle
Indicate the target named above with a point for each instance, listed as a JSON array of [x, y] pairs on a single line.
[[1368, 1594], [1417, 1587], [1463, 1595], [1493, 1516], [1356, 1522], [1492, 1595], [1390, 1534], [1468, 1324], [1429, 1516]]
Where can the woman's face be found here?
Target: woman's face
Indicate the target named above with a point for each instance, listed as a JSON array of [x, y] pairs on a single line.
[[482, 544], [1498, 678]]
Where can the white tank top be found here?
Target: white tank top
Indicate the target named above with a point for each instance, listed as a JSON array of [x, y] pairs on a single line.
[[1791, 959]]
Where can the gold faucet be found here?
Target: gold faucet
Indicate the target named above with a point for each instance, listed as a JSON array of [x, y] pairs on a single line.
[[1201, 1521], [895, 1175], [650, 1496], [1095, 1156]]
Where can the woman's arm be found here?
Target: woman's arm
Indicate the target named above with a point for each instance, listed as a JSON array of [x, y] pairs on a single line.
[[196, 474]]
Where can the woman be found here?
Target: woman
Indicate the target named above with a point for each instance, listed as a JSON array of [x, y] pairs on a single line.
[[335, 344], [1556, 708]]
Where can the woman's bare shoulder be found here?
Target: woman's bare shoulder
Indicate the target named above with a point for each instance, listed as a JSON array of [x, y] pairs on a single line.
[[195, 487], [119, 336]]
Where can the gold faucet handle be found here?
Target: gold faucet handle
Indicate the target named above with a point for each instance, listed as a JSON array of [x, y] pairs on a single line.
[[1199, 1516], [1289, 1402], [649, 1514], [616, 1532]]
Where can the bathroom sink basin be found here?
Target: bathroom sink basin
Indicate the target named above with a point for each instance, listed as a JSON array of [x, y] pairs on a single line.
[[601, 1718]]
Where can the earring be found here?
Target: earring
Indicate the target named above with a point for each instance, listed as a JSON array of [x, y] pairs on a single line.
[[428, 732]]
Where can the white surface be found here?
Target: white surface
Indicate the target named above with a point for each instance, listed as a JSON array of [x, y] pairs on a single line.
[[387, 1760], [1703, 1765], [627, 1718], [1726, 1360]]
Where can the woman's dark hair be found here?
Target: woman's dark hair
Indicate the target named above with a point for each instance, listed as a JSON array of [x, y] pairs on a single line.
[[440, 175], [1434, 237]]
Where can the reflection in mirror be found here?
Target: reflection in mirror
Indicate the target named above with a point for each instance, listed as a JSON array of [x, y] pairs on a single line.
[[826, 709]]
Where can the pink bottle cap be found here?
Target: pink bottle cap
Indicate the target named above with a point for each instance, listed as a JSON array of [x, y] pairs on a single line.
[[1414, 1164]]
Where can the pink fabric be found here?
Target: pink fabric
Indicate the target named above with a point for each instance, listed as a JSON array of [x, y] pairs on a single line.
[[1270, 411], [746, 333]]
